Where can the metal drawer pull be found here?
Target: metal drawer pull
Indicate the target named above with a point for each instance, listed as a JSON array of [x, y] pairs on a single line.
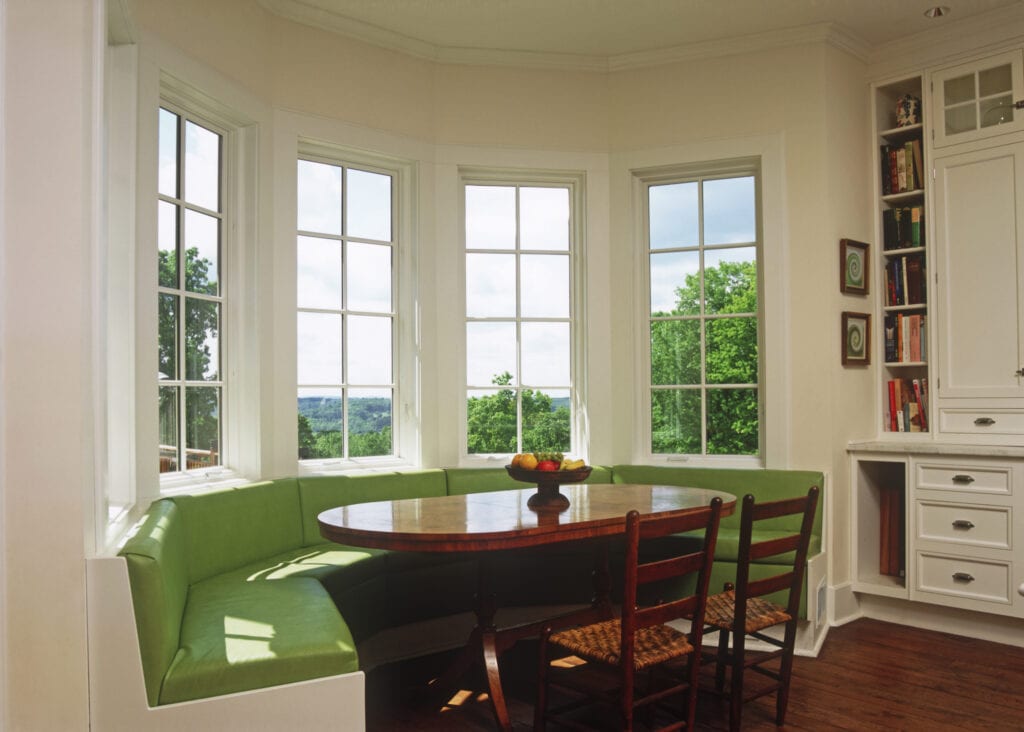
[[961, 478], [962, 524], [984, 421], [963, 577]]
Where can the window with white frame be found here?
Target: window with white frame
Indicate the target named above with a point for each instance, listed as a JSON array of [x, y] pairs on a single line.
[[190, 291], [345, 263], [519, 249], [704, 311]]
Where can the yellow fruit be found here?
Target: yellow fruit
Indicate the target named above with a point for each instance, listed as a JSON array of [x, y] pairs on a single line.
[[527, 462], [516, 460]]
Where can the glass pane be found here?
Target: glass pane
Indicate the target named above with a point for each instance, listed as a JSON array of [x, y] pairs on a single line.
[[958, 90], [202, 266], [368, 277], [490, 353], [490, 421], [319, 423], [675, 283], [318, 265], [729, 211], [368, 205], [167, 176], [168, 316], [546, 348], [369, 422], [319, 198], [544, 285], [961, 119], [490, 217], [544, 218], [202, 426], [996, 111], [730, 280], [675, 421], [319, 348], [546, 421], [674, 220], [167, 243], [731, 351], [202, 166], [202, 344], [732, 422], [675, 352], [369, 350], [490, 285], [169, 429], [998, 80]]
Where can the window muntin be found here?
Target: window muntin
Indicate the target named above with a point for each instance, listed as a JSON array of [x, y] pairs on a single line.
[[519, 243], [190, 235], [345, 257], [703, 253]]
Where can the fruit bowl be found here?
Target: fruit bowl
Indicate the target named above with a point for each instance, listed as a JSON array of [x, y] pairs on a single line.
[[547, 495]]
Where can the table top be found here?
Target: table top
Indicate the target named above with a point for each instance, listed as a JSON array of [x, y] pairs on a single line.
[[502, 520]]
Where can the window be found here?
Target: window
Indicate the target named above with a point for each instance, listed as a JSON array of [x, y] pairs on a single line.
[[519, 247], [190, 221], [703, 251], [346, 255]]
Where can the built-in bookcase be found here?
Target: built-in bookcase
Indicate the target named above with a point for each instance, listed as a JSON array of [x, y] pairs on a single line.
[[903, 330]]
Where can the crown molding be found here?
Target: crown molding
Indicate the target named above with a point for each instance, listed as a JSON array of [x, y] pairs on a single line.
[[302, 12]]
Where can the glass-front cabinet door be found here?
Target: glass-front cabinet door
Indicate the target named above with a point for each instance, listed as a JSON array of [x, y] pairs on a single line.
[[978, 99]]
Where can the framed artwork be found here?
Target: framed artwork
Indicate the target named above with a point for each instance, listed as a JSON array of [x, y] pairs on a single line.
[[856, 332], [854, 267]]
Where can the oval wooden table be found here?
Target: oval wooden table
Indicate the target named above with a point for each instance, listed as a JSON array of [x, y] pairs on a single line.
[[484, 522]]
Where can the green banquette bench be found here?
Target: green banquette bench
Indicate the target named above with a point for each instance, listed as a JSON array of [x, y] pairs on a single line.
[[235, 590]]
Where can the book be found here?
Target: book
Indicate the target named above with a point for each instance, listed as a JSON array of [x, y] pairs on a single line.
[[914, 274], [918, 395], [911, 178], [914, 330], [918, 163], [901, 170], [892, 406]]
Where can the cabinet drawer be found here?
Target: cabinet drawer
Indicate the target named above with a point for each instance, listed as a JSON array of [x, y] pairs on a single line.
[[974, 579], [981, 421], [965, 478], [956, 523]]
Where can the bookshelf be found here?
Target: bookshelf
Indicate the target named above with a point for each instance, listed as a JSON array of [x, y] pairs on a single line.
[[903, 263], [880, 519]]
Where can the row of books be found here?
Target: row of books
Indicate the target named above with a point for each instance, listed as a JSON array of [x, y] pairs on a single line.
[[891, 533], [905, 280], [902, 167], [903, 227], [906, 338], [907, 400]]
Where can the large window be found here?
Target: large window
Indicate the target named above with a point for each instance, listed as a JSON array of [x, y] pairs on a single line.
[[346, 314], [703, 250], [190, 237], [519, 245]]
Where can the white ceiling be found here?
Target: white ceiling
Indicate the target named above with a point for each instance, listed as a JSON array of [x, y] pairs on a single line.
[[611, 28]]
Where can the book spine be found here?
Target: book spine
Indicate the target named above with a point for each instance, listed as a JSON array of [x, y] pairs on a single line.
[[892, 405]]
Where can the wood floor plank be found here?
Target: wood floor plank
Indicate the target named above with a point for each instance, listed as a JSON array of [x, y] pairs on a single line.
[[870, 675]]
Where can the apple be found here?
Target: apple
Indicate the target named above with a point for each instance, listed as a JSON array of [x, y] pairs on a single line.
[[547, 465]]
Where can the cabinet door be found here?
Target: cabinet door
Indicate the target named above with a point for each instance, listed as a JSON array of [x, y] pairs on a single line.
[[975, 100], [979, 221]]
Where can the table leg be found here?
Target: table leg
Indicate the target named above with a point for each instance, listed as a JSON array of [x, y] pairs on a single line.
[[602, 578]]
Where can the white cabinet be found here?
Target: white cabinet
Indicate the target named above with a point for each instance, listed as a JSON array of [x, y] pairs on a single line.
[[976, 100]]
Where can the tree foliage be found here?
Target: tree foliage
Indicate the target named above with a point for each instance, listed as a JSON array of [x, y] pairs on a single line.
[[492, 419], [730, 358]]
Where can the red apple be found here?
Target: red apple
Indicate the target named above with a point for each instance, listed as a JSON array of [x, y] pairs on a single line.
[[547, 465]]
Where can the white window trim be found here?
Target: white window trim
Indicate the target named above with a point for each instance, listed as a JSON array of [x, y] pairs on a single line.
[[773, 334], [405, 410], [576, 182]]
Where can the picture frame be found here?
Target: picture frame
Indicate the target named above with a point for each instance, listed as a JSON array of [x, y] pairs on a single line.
[[856, 334], [854, 267]]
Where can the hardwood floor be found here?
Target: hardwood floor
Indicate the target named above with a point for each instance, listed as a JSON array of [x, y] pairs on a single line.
[[870, 675]]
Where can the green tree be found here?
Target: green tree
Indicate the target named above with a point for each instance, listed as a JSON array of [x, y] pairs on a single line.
[[491, 421], [731, 358]]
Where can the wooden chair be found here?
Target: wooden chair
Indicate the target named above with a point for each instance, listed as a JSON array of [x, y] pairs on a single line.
[[612, 653], [742, 611]]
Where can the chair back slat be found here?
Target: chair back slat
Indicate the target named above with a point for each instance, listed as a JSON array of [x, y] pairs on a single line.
[[663, 569], [768, 585], [783, 507], [773, 547], [665, 612]]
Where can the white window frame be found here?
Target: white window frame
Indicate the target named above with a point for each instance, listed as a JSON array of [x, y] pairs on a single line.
[[768, 276], [576, 184], [405, 408]]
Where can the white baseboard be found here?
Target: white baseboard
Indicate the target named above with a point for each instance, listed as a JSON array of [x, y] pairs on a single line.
[[995, 628]]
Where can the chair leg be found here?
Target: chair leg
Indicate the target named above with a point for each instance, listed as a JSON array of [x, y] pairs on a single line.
[[736, 681], [721, 660], [785, 672]]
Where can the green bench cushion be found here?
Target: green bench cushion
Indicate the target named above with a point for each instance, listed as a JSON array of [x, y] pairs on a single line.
[[482, 480], [237, 636], [322, 492]]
